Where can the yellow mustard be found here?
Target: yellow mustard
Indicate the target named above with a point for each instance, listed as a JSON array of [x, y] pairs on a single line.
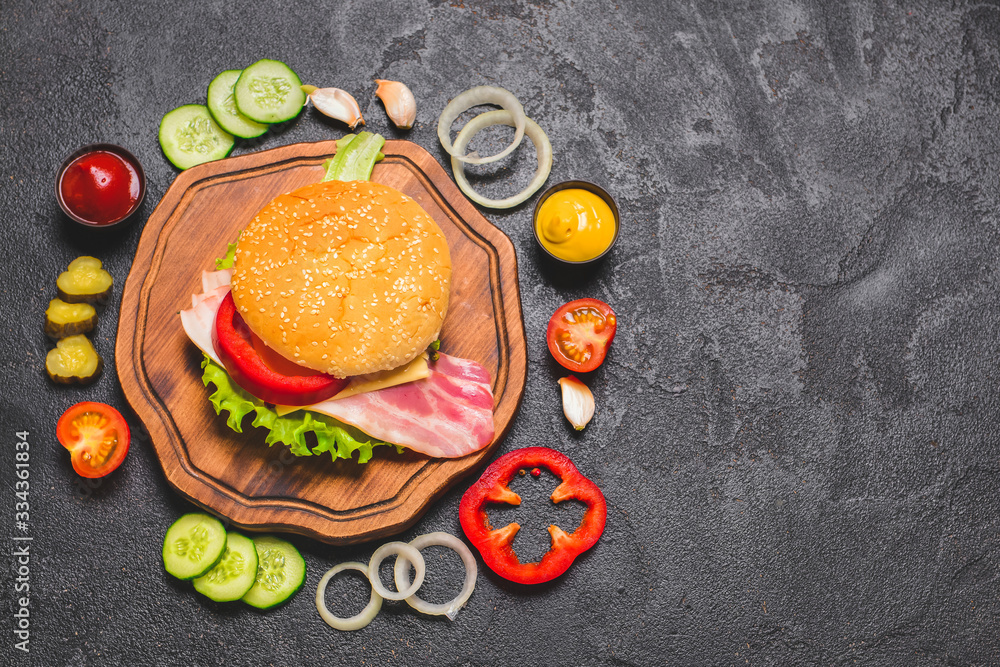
[[575, 225]]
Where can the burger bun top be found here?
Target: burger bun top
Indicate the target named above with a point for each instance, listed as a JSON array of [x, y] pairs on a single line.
[[344, 278]]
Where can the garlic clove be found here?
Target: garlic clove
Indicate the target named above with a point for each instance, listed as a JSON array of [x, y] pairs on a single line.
[[337, 104], [578, 402], [399, 102]]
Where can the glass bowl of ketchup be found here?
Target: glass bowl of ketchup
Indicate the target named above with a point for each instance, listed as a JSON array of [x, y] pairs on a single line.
[[100, 186]]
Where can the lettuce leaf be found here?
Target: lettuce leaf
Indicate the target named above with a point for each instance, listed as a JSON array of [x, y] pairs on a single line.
[[338, 439], [230, 258], [354, 159]]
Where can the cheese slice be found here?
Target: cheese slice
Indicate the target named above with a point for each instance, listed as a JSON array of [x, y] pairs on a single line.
[[361, 384]]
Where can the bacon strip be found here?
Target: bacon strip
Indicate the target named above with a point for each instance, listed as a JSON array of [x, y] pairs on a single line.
[[448, 414]]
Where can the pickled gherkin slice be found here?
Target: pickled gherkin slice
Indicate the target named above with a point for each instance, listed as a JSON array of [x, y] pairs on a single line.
[[69, 319], [281, 571], [84, 281], [73, 361], [234, 574], [193, 545]]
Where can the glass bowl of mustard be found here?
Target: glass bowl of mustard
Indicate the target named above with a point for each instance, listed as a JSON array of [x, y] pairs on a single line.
[[576, 222]]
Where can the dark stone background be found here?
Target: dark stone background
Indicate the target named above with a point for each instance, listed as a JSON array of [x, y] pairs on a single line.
[[796, 429]]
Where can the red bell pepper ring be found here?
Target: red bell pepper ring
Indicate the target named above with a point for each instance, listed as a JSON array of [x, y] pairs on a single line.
[[496, 545], [233, 342]]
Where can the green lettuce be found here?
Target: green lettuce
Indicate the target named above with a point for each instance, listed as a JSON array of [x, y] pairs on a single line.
[[355, 158], [340, 440], [230, 258]]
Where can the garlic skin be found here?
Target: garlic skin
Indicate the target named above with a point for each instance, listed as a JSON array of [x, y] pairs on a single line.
[[337, 104], [399, 102], [578, 402]]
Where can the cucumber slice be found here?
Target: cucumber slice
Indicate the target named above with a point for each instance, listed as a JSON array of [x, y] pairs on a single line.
[[281, 571], [193, 545], [269, 92], [232, 576], [222, 106], [189, 136]]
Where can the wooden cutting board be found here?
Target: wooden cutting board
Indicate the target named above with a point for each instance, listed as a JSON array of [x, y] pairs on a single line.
[[239, 477]]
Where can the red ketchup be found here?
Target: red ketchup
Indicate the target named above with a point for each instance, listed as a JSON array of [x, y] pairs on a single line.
[[100, 187]]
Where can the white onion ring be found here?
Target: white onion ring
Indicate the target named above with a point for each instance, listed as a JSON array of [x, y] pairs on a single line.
[[451, 608], [364, 617], [534, 132], [400, 549], [473, 97]]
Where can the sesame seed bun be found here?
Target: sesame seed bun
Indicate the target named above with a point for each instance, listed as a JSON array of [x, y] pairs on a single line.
[[344, 278]]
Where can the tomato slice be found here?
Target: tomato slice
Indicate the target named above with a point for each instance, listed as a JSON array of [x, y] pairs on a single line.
[[580, 333], [97, 436], [262, 372]]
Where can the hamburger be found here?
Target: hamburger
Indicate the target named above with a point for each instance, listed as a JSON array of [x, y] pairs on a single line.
[[321, 328]]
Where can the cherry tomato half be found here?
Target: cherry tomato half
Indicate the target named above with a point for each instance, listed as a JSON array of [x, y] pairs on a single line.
[[261, 371], [580, 333], [96, 435]]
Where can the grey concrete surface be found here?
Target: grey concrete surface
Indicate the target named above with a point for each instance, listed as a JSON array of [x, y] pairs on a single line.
[[796, 429]]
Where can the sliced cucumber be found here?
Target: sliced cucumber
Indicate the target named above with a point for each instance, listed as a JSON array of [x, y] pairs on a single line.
[[281, 571], [189, 136], [232, 576], [193, 545], [269, 92], [222, 106]]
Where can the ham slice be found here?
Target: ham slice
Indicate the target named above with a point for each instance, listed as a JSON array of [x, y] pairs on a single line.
[[212, 279], [217, 293], [199, 320], [447, 414]]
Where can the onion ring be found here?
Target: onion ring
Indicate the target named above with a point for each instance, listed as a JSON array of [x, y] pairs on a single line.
[[364, 617], [534, 132], [401, 573], [473, 97], [400, 549]]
